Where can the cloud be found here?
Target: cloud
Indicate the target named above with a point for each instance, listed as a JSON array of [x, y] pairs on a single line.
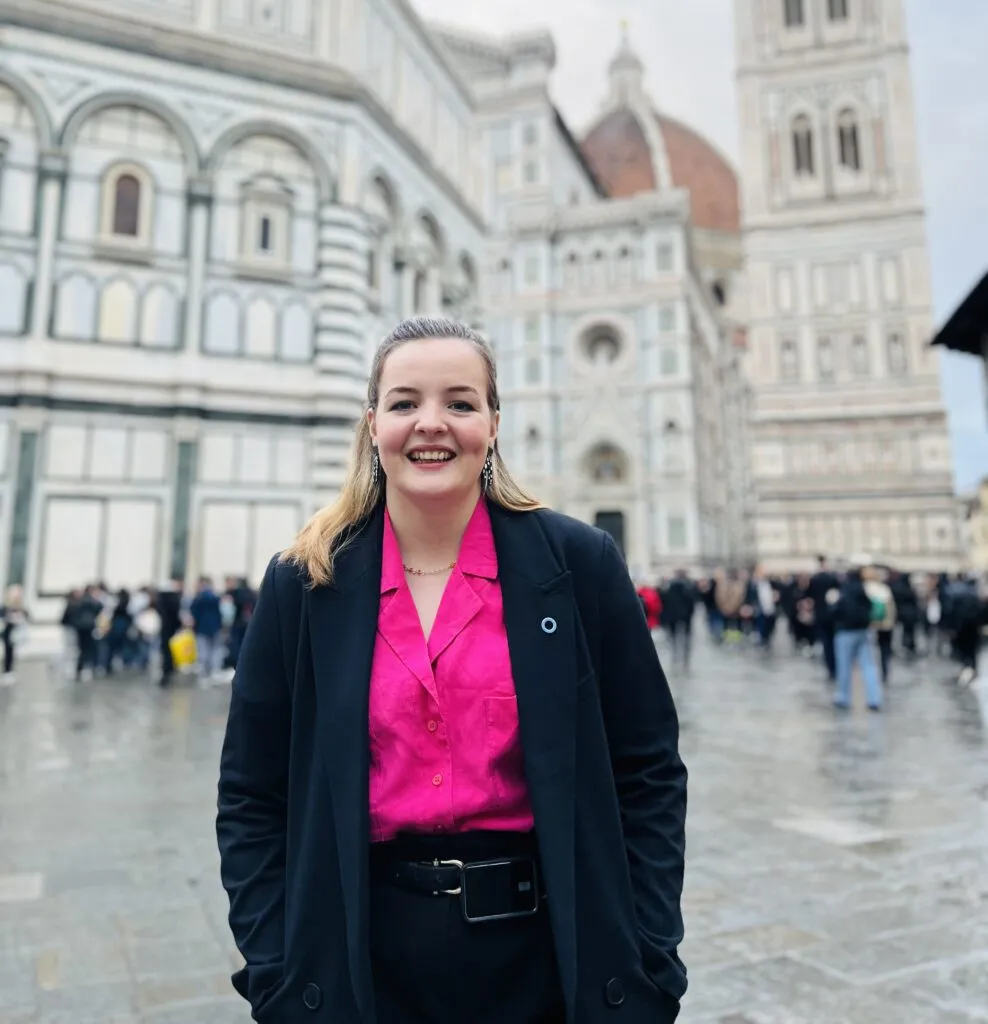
[[688, 50]]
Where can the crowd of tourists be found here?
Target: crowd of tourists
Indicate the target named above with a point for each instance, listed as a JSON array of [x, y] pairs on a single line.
[[159, 631], [851, 616]]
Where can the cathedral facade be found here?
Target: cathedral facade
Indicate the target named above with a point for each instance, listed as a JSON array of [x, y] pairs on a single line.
[[212, 210]]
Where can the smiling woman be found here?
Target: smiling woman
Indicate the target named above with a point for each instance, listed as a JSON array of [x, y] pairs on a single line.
[[475, 676]]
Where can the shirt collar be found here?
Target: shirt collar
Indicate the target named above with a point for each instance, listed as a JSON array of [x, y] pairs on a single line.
[[477, 557]]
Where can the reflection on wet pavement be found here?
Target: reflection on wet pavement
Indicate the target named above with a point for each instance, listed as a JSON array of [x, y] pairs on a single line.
[[837, 864]]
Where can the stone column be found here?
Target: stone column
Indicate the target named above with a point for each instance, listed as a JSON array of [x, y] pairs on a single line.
[[52, 169], [200, 198], [340, 356]]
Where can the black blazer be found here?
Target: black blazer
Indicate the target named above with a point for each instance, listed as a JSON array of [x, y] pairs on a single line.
[[599, 733]]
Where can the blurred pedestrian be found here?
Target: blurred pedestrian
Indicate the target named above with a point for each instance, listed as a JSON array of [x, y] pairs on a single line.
[[13, 623], [883, 616], [851, 615], [207, 619]]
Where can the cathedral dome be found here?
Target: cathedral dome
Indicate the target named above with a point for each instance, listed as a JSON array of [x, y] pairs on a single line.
[[631, 148]]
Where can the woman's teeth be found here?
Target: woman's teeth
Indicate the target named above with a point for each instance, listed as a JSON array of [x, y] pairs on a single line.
[[431, 456]]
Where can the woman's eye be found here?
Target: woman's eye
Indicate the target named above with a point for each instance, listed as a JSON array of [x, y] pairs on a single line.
[[402, 405], [463, 406]]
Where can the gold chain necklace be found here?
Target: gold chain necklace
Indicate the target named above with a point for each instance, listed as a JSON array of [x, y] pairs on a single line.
[[428, 572]]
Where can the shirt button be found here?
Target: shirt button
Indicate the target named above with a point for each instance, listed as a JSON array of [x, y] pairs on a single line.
[[437, 779], [433, 726]]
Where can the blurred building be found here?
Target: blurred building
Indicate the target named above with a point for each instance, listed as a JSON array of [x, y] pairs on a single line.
[[211, 211], [606, 287], [975, 528], [850, 444]]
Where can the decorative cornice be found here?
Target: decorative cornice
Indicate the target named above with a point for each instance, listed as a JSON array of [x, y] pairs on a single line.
[[636, 211]]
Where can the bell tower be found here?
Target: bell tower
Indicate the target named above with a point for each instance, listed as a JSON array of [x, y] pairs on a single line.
[[850, 448]]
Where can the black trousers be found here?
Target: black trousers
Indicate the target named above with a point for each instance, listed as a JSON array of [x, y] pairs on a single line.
[[885, 651], [88, 649], [825, 633], [432, 967], [967, 642], [681, 639]]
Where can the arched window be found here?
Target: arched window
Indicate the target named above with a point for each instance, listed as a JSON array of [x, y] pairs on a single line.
[[266, 205], [127, 206], [897, 354], [837, 10], [598, 270], [789, 360], [606, 464], [571, 271], [418, 291], [848, 145], [825, 359], [859, 355], [793, 13], [802, 146]]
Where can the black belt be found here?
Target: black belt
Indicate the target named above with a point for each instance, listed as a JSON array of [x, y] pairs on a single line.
[[489, 890]]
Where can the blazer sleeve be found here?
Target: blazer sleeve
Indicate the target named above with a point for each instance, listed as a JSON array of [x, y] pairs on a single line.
[[251, 822], [643, 736]]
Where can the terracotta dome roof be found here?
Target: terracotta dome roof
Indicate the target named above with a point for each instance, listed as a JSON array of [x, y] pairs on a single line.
[[617, 151]]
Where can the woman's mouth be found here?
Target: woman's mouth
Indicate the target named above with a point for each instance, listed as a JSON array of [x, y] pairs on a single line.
[[431, 458]]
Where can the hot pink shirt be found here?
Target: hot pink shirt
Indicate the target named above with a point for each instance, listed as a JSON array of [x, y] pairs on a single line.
[[445, 746]]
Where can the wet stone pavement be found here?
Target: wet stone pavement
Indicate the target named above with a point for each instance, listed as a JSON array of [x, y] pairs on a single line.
[[837, 866]]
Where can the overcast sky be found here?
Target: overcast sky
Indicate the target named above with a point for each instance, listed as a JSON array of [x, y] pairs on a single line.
[[688, 49]]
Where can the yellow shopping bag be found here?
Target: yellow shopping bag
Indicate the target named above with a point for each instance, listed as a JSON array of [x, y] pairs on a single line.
[[183, 648]]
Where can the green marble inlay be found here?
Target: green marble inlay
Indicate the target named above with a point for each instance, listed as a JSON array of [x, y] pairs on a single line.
[[185, 475], [27, 457]]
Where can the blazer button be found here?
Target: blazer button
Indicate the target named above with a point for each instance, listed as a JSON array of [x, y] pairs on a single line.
[[312, 996], [614, 992]]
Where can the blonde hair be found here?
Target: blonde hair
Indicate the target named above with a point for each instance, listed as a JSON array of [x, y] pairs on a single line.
[[329, 530]]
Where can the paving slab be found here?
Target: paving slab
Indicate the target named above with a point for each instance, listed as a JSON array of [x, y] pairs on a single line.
[[837, 866]]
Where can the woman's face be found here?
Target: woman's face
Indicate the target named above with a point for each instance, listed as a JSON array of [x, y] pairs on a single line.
[[432, 425]]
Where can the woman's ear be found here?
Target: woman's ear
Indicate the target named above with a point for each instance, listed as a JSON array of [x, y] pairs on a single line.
[[495, 424], [372, 426]]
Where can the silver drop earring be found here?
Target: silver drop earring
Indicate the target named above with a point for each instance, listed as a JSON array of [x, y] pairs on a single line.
[[487, 474], [375, 467]]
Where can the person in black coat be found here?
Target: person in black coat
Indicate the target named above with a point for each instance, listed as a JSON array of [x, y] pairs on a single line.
[[678, 604], [824, 583], [168, 605], [597, 925]]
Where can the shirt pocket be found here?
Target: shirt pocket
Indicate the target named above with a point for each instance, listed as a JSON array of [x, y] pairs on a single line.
[[505, 761]]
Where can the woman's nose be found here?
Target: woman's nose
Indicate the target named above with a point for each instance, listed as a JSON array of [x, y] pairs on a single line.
[[430, 418]]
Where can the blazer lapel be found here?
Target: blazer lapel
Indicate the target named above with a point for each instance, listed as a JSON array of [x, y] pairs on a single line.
[[540, 620], [342, 628]]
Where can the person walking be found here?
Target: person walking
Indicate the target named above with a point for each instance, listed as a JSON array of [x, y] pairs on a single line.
[[883, 616], [823, 587], [85, 617], [13, 620], [168, 604], [450, 788], [207, 619], [852, 616], [680, 602]]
